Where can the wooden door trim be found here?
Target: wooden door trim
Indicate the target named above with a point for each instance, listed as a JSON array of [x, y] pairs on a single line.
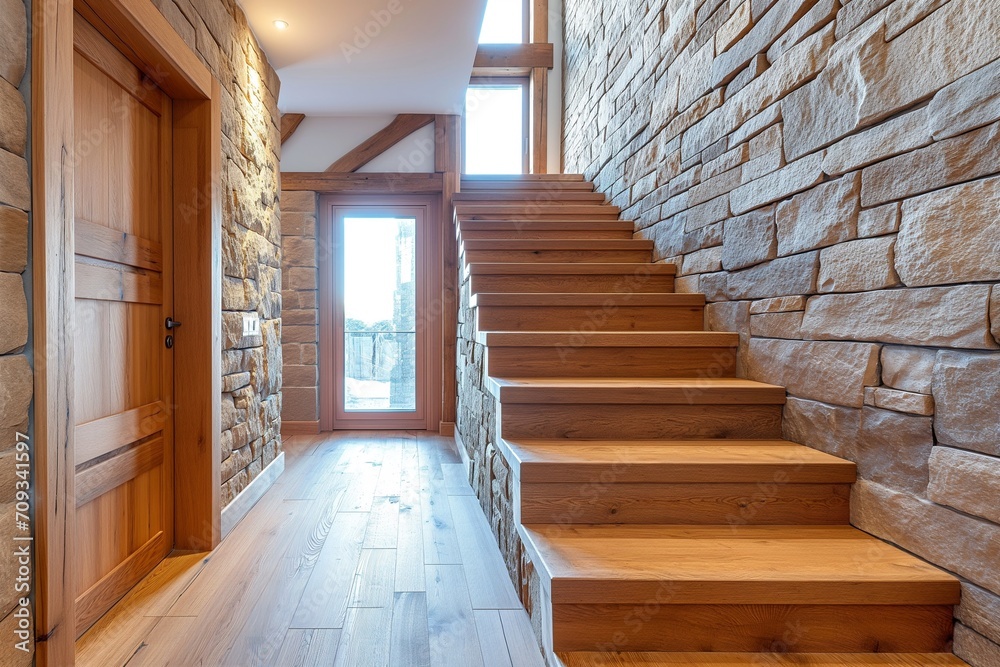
[[137, 27], [432, 289]]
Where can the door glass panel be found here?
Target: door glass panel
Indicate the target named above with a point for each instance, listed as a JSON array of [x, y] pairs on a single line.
[[380, 315]]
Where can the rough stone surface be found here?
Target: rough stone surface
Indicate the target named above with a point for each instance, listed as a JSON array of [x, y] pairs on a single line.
[[908, 368], [13, 120], [777, 325], [893, 137], [967, 481], [878, 221], [14, 189], [951, 236], [940, 316], [834, 429], [967, 396], [298, 262], [858, 266], [779, 277], [832, 372], [13, 40], [749, 239], [968, 103], [900, 401], [974, 648], [795, 177], [995, 313], [963, 544], [980, 610], [822, 216], [781, 304], [894, 448], [16, 385], [14, 310], [13, 239]]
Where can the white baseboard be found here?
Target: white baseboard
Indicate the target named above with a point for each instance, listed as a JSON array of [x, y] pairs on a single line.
[[249, 496]]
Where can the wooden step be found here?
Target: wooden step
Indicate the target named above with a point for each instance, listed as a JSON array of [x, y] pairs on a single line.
[[522, 178], [557, 250], [681, 482], [544, 211], [771, 659], [556, 229], [540, 277], [610, 354], [637, 408], [534, 196], [575, 312], [473, 184], [715, 588]]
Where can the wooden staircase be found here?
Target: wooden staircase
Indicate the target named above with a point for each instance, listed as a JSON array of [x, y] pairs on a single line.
[[669, 522]]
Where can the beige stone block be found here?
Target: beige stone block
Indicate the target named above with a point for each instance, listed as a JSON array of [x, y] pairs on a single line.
[[952, 540], [299, 404], [825, 215], [300, 278], [16, 387], [908, 368], [295, 223], [299, 202], [715, 186], [703, 261], [695, 76], [707, 213], [900, 401], [967, 396], [821, 13], [970, 102], [931, 316], [951, 235], [857, 12], [14, 189], [299, 334], [9, 655], [766, 142], [894, 448], [729, 160], [902, 134], [903, 15], [735, 28], [749, 239], [995, 313], [298, 251], [833, 429], [788, 180], [13, 239], [878, 221], [967, 481], [943, 163], [687, 284], [13, 120], [858, 266], [765, 31], [980, 610], [761, 166], [307, 316], [781, 304], [832, 372], [300, 376], [715, 286], [974, 648], [13, 313], [780, 277], [733, 316], [13, 40], [776, 325]]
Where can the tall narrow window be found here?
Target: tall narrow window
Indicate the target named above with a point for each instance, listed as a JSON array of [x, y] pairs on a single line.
[[496, 128], [506, 22]]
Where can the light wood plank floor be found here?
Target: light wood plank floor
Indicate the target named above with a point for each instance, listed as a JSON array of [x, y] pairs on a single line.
[[371, 549]]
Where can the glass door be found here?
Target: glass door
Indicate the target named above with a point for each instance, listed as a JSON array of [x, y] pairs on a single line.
[[378, 348]]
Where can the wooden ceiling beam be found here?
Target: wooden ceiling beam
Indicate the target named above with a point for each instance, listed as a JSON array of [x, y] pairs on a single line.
[[289, 123], [514, 56], [401, 127], [332, 182]]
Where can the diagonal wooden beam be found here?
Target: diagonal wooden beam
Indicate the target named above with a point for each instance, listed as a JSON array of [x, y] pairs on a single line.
[[401, 127], [289, 123]]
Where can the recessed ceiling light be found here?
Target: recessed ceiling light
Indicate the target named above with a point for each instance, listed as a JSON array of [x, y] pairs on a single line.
[[281, 25]]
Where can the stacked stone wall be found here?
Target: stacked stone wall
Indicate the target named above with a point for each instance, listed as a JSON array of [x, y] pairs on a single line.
[[827, 173]]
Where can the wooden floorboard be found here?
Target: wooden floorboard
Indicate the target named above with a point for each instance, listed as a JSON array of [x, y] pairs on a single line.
[[370, 549]]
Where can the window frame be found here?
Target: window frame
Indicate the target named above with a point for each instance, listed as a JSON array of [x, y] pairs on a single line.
[[525, 85]]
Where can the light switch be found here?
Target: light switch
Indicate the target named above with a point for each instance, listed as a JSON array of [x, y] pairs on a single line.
[[251, 324]]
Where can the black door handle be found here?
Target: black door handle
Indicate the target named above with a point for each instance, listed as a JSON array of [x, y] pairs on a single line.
[[171, 323]]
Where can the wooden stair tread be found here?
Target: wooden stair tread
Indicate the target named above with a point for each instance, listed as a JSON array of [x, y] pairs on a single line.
[[664, 461], [583, 226], [521, 178], [607, 564], [617, 391], [557, 244], [542, 195], [565, 268], [584, 299], [667, 659], [608, 339], [550, 207]]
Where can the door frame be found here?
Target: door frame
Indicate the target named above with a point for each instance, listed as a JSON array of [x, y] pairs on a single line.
[[431, 305], [138, 29]]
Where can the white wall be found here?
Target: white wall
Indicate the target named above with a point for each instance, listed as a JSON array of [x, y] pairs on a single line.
[[322, 140]]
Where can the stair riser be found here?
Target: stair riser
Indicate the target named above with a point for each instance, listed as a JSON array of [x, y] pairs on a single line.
[[541, 284], [589, 318], [637, 362], [543, 234], [557, 256], [761, 503], [552, 186], [535, 215], [541, 196], [637, 422], [655, 625]]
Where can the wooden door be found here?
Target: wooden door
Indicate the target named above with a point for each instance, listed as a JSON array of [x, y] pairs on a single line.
[[123, 369]]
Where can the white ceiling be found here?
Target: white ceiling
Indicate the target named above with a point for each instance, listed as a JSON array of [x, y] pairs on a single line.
[[418, 59]]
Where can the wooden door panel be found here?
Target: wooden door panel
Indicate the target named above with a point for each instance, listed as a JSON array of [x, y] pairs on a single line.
[[124, 373]]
